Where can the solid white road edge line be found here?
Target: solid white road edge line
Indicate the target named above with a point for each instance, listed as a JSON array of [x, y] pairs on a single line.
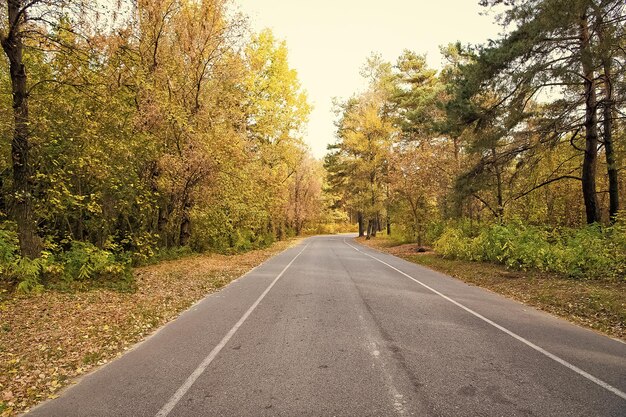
[[171, 403], [552, 356]]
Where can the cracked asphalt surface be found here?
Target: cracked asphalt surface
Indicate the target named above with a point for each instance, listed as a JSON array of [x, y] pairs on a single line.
[[341, 333]]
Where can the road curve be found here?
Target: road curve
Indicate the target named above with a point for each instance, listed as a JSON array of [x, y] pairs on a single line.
[[332, 328]]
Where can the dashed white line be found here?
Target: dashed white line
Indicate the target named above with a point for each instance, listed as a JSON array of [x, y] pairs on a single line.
[[528, 343], [178, 395]]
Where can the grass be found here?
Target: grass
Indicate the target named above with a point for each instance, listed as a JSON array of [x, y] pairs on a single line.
[[48, 340], [596, 304]]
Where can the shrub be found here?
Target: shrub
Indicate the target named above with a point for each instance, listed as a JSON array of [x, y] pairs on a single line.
[[454, 244], [29, 274], [9, 250], [592, 252], [586, 253], [434, 230], [84, 262], [23, 273], [617, 238]]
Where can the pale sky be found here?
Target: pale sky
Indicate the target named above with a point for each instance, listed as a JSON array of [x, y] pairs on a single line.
[[329, 40]]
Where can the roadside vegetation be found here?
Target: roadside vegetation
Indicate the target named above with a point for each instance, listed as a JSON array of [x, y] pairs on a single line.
[[508, 161], [48, 340], [599, 304], [131, 129], [150, 152], [136, 132], [587, 253]]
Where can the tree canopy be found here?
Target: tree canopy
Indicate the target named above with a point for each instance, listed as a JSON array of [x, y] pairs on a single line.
[[137, 126], [527, 127]]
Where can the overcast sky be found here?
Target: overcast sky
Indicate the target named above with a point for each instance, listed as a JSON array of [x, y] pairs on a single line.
[[329, 41]]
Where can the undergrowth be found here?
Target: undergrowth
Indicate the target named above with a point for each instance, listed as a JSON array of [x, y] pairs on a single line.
[[591, 252], [78, 265]]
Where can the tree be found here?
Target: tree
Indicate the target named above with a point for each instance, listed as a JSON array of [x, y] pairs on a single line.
[[305, 194], [551, 40], [609, 18], [361, 157], [12, 39], [27, 26], [148, 124]]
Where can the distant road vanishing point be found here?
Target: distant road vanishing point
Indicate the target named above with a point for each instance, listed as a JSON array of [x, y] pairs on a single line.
[[332, 328]]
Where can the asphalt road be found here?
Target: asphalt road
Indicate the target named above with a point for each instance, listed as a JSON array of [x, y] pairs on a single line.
[[331, 328]]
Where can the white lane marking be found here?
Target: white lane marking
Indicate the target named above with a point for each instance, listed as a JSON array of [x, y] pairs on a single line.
[[178, 395], [552, 356], [372, 346]]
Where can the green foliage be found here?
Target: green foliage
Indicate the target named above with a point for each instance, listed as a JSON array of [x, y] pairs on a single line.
[[229, 229], [453, 243], [434, 230], [14, 269], [593, 252], [144, 147], [85, 262], [29, 273], [8, 250]]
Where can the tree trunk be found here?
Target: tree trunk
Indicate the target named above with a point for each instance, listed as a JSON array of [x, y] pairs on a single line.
[[163, 214], [609, 147], [388, 225], [419, 236], [591, 130], [22, 204], [361, 224], [185, 224], [298, 227], [279, 231], [608, 111], [500, 209]]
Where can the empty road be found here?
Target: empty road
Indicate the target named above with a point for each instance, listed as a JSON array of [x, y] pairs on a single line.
[[332, 328]]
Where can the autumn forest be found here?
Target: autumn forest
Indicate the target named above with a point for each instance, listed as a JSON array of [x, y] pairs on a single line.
[[134, 129], [153, 151]]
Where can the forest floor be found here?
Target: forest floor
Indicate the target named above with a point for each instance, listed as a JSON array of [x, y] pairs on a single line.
[[48, 340], [599, 305]]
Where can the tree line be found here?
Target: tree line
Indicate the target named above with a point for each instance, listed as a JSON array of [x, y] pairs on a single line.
[[131, 126], [528, 127]]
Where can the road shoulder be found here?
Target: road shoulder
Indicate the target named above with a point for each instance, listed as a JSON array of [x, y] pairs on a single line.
[[597, 305], [49, 340]]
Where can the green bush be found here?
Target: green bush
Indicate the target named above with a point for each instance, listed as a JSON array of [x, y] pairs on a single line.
[[592, 252], [434, 230], [82, 263], [23, 273], [587, 253], [29, 274], [8, 252], [454, 244], [86, 262], [617, 238]]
